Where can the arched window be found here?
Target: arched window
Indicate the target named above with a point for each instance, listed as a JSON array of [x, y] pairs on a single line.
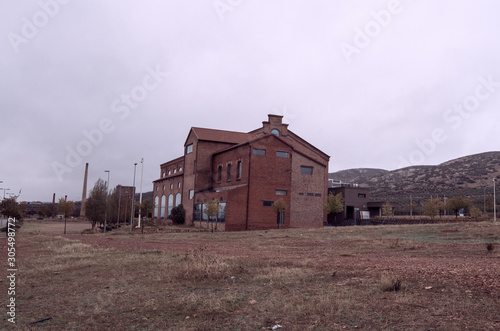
[[170, 204], [177, 199], [156, 207], [162, 213]]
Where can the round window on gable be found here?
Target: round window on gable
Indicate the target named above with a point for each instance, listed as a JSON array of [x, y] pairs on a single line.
[[276, 132]]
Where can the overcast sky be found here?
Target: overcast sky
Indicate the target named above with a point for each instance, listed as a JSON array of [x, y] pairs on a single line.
[[376, 84]]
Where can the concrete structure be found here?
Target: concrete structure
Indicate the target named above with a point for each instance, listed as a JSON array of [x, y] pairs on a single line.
[[84, 193], [357, 204], [246, 173]]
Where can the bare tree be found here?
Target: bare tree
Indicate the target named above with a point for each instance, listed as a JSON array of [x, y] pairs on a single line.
[[95, 208]]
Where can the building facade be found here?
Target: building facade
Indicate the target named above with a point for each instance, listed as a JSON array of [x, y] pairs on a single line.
[[246, 173], [358, 205]]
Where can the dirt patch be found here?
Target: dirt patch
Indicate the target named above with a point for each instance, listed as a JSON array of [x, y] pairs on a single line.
[[328, 279]]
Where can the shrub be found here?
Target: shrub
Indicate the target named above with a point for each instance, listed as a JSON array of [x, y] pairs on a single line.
[[178, 214], [389, 283]]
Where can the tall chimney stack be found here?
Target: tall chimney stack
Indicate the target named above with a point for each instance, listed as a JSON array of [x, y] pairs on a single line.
[[84, 194]]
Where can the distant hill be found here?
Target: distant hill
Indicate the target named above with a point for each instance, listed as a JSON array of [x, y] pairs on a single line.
[[468, 176]]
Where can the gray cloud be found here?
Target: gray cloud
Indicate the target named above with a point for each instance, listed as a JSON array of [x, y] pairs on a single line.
[[262, 57]]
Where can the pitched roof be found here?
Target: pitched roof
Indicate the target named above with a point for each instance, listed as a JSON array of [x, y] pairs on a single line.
[[232, 137]]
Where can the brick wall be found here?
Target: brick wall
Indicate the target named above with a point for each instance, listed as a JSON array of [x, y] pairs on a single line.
[[267, 174], [309, 193]]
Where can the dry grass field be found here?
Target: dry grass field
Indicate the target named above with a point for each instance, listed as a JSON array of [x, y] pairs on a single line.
[[412, 277]]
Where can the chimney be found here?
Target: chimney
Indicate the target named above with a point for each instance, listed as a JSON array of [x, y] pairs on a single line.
[[84, 194]]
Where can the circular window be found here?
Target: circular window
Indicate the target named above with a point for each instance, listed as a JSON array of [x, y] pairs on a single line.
[[276, 132]]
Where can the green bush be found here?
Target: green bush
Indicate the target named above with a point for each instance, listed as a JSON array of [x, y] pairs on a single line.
[[178, 214]]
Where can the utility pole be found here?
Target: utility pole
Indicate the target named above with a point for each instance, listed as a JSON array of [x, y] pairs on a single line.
[[65, 212], [133, 199], [140, 194]]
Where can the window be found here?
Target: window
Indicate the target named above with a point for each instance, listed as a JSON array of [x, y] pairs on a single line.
[[170, 204], [156, 207], [157, 188], [281, 192], [219, 174], [163, 187], [162, 213], [180, 168], [317, 194], [259, 151], [229, 172], [306, 170], [301, 193], [179, 185], [169, 172], [281, 154], [361, 195], [175, 171], [238, 174], [191, 194], [267, 203], [310, 194], [163, 174], [171, 186], [276, 132], [178, 199], [189, 149]]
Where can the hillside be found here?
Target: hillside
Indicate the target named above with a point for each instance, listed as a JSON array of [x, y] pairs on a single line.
[[468, 176]]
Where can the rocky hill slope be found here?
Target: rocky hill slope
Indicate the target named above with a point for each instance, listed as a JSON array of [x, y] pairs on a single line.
[[470, 176]]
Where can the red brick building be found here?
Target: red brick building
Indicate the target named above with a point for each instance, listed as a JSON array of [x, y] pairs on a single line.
[[247, 173]]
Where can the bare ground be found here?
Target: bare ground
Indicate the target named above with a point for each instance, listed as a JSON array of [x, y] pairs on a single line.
[[331, 278]]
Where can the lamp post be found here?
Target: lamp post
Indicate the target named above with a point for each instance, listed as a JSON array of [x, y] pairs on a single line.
[[65, 212], [132, 206], [106, 210], [5, 189], [140, 195]]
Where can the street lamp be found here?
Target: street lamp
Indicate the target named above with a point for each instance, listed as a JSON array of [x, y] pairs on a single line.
[[106, 210], [5, 189], [132, 206], [65, 212], [140, 195]]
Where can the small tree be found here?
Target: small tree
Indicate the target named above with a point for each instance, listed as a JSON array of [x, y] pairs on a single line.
[[432, 207], [334, 204], [279, 207], [212, 210], [387, 209], [95, 208], [475, 212], [65, 208], [147, 207], [10, 208], [178, 214], [458, 203]]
